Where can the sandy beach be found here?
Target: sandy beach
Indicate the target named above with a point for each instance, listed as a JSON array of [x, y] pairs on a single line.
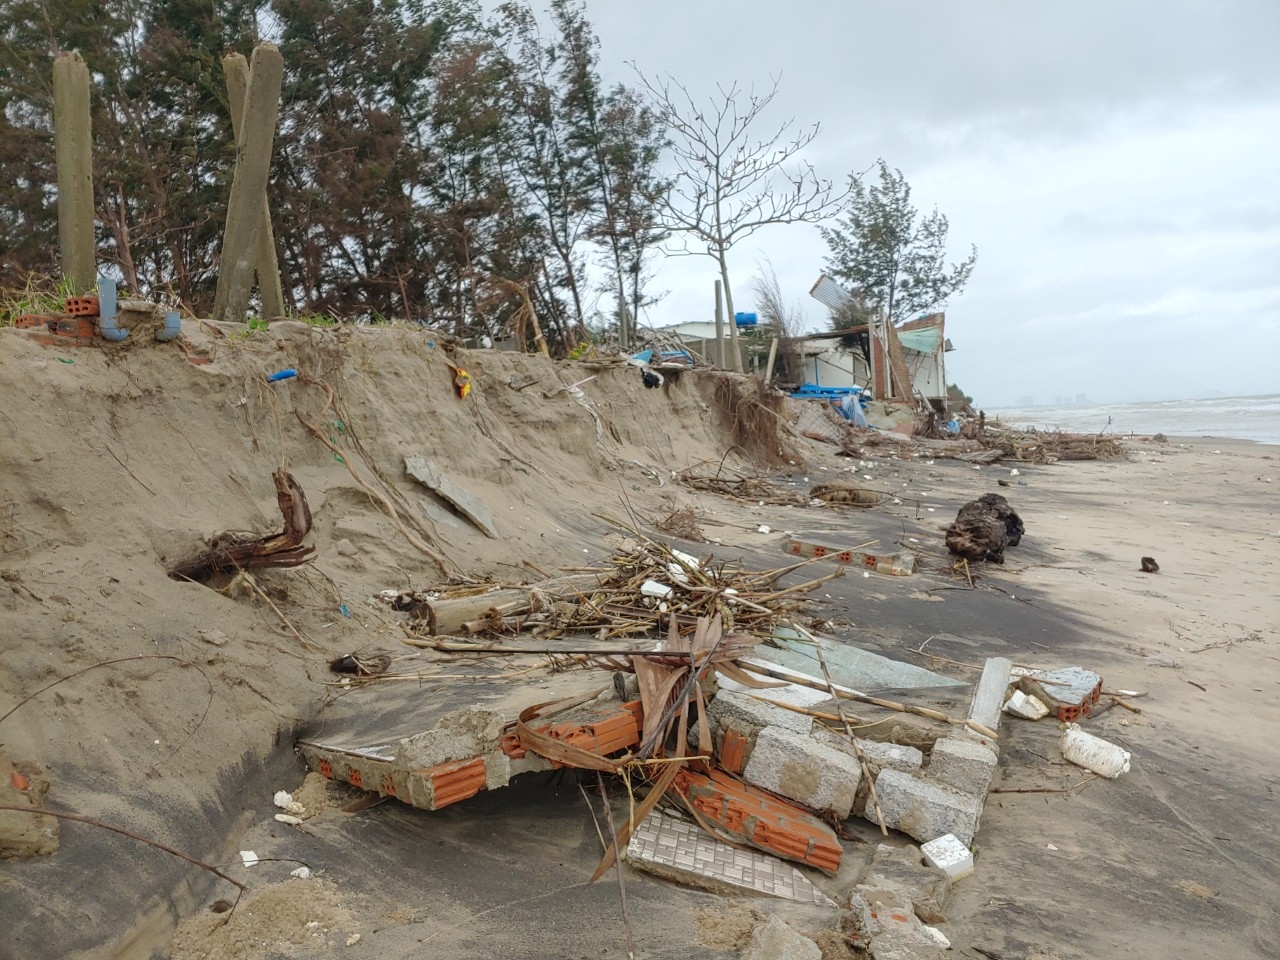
[[119, 463]]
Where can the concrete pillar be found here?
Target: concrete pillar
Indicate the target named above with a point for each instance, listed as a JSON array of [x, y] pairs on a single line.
[[249, 187], [72, 150], [236, 68]]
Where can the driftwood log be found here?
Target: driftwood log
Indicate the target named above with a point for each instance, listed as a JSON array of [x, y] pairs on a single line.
[[466, 614], [241, 551], [983, 528]]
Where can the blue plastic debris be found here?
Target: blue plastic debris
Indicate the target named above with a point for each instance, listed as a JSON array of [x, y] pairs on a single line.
[[284, 374], [344, 610]]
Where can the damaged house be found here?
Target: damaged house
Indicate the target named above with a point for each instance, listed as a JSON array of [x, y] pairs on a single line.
[[904, 362]]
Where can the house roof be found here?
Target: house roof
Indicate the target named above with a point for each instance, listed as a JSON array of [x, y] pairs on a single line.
[[921, 339]]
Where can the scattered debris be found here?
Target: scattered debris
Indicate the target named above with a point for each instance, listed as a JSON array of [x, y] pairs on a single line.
[[372, 664], [1093, 753], [1149, 565], [1027, 707], [847, 494], [1069, 693], [476, 511]]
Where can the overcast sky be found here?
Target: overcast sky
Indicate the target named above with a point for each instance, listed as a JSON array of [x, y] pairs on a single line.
[[1117, 164]]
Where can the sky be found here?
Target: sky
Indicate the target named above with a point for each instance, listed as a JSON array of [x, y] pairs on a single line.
[[1116, 162]]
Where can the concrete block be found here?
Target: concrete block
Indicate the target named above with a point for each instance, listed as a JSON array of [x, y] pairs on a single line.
[[802, 769], [948, 854], [749, 716], [774, 940], [899, 873], [925, 810], [682, 852], [988, 696], [963, 763], [880, 756]]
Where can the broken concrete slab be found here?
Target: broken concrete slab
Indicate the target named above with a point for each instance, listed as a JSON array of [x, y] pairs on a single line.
[[849, 666], [474, 509], [898, 934], [463, 752], [803, 769], [680, 851], [774, 940], [925, 810], [963, 763], [988, 697], [901, 873]]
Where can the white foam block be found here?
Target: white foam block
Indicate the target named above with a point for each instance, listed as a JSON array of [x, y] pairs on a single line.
[[949, 854]]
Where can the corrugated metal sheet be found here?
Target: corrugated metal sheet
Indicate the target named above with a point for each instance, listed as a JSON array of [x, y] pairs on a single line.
[[829, 293], [921, 340]]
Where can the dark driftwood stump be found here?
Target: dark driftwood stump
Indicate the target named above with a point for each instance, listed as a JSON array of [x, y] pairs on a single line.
[[983, 528], [239, 551]]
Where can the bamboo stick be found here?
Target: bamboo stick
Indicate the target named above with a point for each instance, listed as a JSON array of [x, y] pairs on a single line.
[[862, 759]]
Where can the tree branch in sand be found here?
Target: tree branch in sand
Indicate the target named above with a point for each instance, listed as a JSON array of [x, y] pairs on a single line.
[[236, 551]]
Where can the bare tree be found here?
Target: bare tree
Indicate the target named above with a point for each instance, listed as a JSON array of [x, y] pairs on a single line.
[[728, 183]]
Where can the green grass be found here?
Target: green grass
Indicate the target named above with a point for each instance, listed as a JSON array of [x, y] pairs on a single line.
[[39, 294]]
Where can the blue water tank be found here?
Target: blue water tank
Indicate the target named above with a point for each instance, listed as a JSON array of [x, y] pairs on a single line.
[[744, 319]]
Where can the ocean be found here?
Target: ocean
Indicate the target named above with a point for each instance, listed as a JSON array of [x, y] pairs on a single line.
[[1242, 418]]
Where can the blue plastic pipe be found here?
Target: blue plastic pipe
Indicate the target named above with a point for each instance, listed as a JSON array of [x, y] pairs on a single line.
[[107, 311]]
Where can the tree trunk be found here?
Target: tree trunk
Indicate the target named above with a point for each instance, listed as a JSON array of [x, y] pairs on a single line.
[[735, 363]]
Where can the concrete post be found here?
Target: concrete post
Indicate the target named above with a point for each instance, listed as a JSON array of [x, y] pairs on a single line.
[[720, 326], [236, 69], [249, 187], [72, 150]]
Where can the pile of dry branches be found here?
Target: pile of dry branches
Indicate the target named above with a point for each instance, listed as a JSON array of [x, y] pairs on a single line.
[[639, 592], [993, 444]]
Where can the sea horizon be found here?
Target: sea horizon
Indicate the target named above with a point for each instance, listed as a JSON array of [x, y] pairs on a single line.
[[1255, 418]]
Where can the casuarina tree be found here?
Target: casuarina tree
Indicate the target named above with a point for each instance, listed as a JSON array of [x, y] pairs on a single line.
[[889, 257]]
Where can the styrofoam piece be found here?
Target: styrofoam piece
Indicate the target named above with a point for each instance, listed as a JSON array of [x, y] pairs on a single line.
[[1093, 753], [249, 858], [949, 854], [302, 873], [1026, 707], [652, 588]]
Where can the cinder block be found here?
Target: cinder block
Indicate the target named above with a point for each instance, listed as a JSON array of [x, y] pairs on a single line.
[[963, 763], [880, 756], [925, 810], [802, 769], [749, 715]]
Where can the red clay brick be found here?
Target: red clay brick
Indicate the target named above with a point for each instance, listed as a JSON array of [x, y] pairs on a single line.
[[761, 819], [733, 751], [81, 306], [451, 782]]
